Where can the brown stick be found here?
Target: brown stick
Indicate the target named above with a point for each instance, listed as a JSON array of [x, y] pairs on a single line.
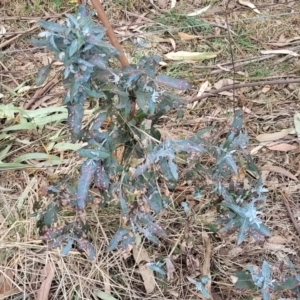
[[110, 33], [242, 85], [286, 203]]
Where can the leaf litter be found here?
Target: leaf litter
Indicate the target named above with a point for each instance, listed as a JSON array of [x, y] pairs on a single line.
[[267, 123]]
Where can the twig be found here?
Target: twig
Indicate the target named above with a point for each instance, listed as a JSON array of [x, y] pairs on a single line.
[[6, 43], [242, 85], [35, 18], [243, 62], [9, 73], [286, 203], [110, 32], [39, 93], [231, 41]]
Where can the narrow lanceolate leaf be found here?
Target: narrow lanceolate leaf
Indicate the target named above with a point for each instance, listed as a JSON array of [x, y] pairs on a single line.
[[50, 216], [88, 170], [76, 113], [51, 26], [93, 153], [87, 247], [178, 84], [99, 121], [101, 179], [96, 40], [117, 238], [43, 74], [155, 202], [67, 248], [103, 295], [73, 47]]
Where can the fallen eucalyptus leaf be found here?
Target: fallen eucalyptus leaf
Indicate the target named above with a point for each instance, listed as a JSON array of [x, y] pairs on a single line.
[[185, 55], [268, 137], [249, 4], [280, 51], [199, 11]]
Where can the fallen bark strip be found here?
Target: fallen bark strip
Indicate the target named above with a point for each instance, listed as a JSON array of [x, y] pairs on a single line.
[[242, 85]]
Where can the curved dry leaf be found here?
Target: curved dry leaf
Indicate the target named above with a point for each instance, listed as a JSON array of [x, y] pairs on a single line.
[[268, 137], [224, 82], [281, 51], [47, 276], [156, 39], [281, 147], [187, 37], [205, 86], [235, 252], [173, 3], [162, 3], [2, 31], [185, 55], [274, 247], [170, 269], [277, 239], [297, 123], [148, 278], [249, 4], [207, 259], [199, 11], [140, 255], [280, 170], [6, 281]]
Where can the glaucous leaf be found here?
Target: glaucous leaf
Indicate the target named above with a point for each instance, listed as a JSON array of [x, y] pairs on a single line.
[[65, 250], [85, 246], [88, 170], [200, 285], [75, 112], [117, 238], [101, 179], [42, 75], [51, 26], [155, 201], [178, 84], [93, 153], [50, 216]]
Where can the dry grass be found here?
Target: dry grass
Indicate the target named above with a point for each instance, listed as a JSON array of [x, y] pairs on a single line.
[[22, 254]]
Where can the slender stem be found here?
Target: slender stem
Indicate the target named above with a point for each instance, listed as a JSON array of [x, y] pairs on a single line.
[[110, 32]]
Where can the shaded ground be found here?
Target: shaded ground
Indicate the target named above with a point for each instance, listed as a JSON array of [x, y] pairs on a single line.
[[144, 29]]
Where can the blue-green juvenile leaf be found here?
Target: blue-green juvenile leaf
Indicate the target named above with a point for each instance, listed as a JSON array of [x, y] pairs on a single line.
[[244, 280], [98, 121], [97, 41], [101, 179], [75, 112], [93, 153], [155, 201], [146, 232], [67, 248], [73, 47], [156, 267], [88, 170], [263, 279], [85, 246], [50, 216], [42, 75], [73, 20], [117, 238], [143, 99], [200, 285], [51, 26], [178, 84]]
